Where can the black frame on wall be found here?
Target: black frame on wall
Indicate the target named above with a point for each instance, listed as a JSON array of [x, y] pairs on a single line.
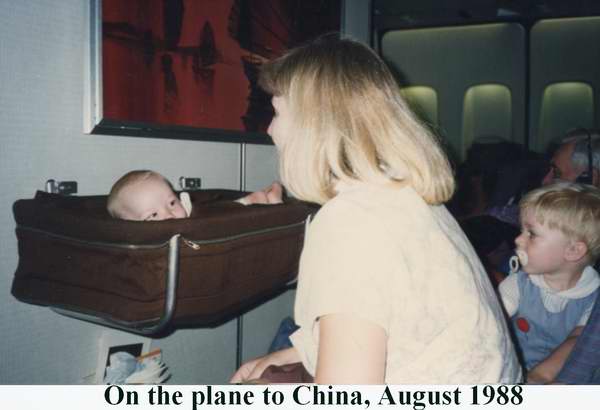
[[96, 120]]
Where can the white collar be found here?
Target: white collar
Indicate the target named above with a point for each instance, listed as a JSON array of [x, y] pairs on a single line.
[[587, 283], [555, 301]]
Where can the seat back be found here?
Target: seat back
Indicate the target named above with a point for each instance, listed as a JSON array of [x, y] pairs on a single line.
[[583, 364]]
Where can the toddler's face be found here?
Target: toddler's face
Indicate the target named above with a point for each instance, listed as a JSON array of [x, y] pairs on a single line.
[[540, 249], [150, 200]]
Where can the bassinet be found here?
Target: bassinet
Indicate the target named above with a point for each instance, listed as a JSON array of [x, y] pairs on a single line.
[[146, 276]]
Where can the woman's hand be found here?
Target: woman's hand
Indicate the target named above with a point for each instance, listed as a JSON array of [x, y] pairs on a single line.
[[253, 369]]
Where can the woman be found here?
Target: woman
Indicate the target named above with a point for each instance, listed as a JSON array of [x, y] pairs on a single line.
[[389, 290]]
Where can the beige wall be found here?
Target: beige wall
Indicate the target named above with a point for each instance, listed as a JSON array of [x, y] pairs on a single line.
[[41, 118]]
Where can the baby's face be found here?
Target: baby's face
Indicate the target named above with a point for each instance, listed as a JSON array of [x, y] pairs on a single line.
[[150, 200]]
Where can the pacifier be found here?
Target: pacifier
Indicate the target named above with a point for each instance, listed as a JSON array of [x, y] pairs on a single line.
[[519, 259], [186, 203]]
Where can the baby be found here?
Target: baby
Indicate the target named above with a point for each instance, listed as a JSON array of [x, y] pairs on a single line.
[[148, 196], [550, 299]]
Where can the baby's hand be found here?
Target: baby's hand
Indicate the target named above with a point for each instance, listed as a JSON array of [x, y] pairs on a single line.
[[274, 193], [258, 197], [270, 195]]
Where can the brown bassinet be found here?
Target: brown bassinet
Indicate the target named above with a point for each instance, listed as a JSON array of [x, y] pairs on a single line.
[[146, 276]]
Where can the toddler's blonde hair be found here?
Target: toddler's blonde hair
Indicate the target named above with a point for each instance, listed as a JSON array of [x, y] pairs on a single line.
[[573, 209]]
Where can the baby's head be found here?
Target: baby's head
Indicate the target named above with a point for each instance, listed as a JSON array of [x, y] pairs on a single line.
[[569, 209], [144, 196]]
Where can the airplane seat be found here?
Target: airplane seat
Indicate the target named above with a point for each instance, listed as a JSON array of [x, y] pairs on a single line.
[[478, 175], [583, 364]]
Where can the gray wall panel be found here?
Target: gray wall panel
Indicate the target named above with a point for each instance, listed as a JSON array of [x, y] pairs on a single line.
[[452, 59]]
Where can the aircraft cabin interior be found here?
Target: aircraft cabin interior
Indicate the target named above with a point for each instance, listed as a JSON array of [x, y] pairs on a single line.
[[478, 73]]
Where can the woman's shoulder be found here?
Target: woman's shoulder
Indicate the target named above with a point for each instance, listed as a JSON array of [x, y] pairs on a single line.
[[371, 196], [344, 208], [373, 207]]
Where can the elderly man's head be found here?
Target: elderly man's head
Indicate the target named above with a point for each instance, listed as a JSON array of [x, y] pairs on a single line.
[[571, 159]]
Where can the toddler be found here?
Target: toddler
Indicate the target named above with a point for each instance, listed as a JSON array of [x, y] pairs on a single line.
[[550, 298], [148, 196]]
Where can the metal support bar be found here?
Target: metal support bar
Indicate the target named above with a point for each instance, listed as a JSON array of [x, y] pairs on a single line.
[[144, 327], [240, 319], [61, 187]]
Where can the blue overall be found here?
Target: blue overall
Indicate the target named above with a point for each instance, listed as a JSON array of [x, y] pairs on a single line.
[[539, 331]]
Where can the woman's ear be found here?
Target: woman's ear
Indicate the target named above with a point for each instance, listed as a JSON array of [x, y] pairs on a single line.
[[575, 251]]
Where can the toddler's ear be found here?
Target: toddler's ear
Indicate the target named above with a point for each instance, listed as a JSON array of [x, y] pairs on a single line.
[[575, 251]]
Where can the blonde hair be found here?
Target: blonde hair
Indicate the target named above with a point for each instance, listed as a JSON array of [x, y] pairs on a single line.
[[573, 209], [114, 204], [350, 123]]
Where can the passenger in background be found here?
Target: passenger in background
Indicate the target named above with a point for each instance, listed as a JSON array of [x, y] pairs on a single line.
[[480, 179], [144, 195], [550, 299], [389, 289], [570, 161]]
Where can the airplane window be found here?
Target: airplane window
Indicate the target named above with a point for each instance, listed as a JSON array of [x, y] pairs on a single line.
[[487, 112], [423, 101], [565, 105]]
